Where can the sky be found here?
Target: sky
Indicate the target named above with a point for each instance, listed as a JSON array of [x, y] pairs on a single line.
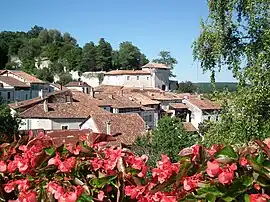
[[151, 25]]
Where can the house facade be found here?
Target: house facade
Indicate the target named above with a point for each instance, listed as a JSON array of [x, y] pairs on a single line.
[[151, 75]]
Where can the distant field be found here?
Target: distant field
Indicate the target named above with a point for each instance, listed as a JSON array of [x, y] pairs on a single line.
[[206, 87]]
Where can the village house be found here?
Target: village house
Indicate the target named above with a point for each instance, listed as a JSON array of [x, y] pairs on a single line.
[[79, 86], [126, 128], [18, 85], [151, 75], [201, 109]]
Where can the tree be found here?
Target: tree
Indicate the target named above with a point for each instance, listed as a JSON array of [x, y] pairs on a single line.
[[129, 56], [88, 62], [186, 87], [51, 52], [236, 35], [34, 32], [64, 78], [8, 124], [67, 38], [45, 74], [73, 58], [166, 59], [104, 55]]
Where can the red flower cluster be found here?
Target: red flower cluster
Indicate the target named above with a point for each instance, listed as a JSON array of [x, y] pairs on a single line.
[[64, 166], [225, 174]]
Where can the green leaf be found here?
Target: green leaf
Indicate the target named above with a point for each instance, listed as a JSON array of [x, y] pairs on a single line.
[[86, 198], [203, 192], [50, 151], [226, 154], [260, 158], [30, 178], [247, 198], [210, 197], [100, 182]]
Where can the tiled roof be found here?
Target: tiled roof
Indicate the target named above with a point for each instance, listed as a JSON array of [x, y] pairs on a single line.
[[129, 126], [189, 127], [36, 100], [178, 105], [147, 108], [141, 98], [61, 110], [13, 82], [26, 77], [2, 71], [128, 72], [155, 66], [77, 84], [60, 137], [58, 86], [204, 104]]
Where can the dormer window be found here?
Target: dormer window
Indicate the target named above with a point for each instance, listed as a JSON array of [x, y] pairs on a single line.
[[127, 77], [138, 77]]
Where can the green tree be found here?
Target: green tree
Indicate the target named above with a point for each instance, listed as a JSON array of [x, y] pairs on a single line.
[[64, 78], [45, 74], [88, 61], [129, 56], [166, 59], [67, 38], [236, 35], [73, 58], [8, 124], [186, 87], [51, 52], [104, 55], [34, 32]]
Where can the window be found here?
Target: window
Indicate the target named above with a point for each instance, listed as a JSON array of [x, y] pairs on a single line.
[[87, 90], [26, 96], [138, 77], [64, 127], [147, 78], [150, 118], [8, 95], [127, 77]]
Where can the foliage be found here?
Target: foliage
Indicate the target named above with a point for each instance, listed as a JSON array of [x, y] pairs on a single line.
[[45, 74], [41, 44], [166, 58], [206, 87], [33, 169], [169, 137], [8, 124], [236, 35], [64, 78], [130, 56], [186, 87]]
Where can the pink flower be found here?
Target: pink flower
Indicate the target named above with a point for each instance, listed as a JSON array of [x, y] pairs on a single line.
[[3, 166], [191, 182], [100, 195], [195, 152], [226, 177], [28, 197], [243, 161], [12, 166], [165, 169], [67, 165], [55, 160], [23, 148], [9, 187], [213, 169], [68, 197], [259, 197], [96, 163], [23, 165], [23, 185], [138, 163], [161, 197], [74, 150], [134, 192], [55, 189]]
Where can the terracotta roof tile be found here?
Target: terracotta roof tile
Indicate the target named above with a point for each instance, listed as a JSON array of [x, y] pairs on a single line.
[[13, 82], [189, 127], [128, 72], [129, 126], [204, 104], [77, 84], [178, 105], [155, 66], [26, 77], [61, 110]]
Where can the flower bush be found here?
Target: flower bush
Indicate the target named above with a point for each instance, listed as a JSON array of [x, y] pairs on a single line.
[[33, 169]]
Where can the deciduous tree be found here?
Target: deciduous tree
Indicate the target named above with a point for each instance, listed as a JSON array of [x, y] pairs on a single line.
[[166, 59], [104, 55]]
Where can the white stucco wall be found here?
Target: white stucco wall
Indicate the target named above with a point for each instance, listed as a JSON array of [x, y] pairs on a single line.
[[49, 124], [128, 80], [161, 77], [90, 124]]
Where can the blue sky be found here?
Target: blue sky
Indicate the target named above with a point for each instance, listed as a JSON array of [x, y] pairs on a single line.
[[152, 25]]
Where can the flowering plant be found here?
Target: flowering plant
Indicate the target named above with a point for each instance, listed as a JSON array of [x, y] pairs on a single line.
[[33, 169]]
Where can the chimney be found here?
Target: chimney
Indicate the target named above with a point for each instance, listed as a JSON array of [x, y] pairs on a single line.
[[16, 103], [92, 92], [41, 94], [45, 106], [111, 96], [108, 127]]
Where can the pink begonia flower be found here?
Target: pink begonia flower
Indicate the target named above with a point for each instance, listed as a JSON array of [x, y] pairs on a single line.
[[161, 197], [213, 169], [67, 165], [195, 151], [55, 189], [3, 166], [165, 169], [27, 197], [259, 198], [226, 177], [74, 149], [23, 185], [192, 182], [68, 197], [243, 161], [138, 163], [135, 192], [100, 195], [55, 160]]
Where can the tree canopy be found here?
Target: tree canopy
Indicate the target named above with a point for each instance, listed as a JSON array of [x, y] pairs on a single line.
[[166, 59], [236, 36], [40, 44]]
